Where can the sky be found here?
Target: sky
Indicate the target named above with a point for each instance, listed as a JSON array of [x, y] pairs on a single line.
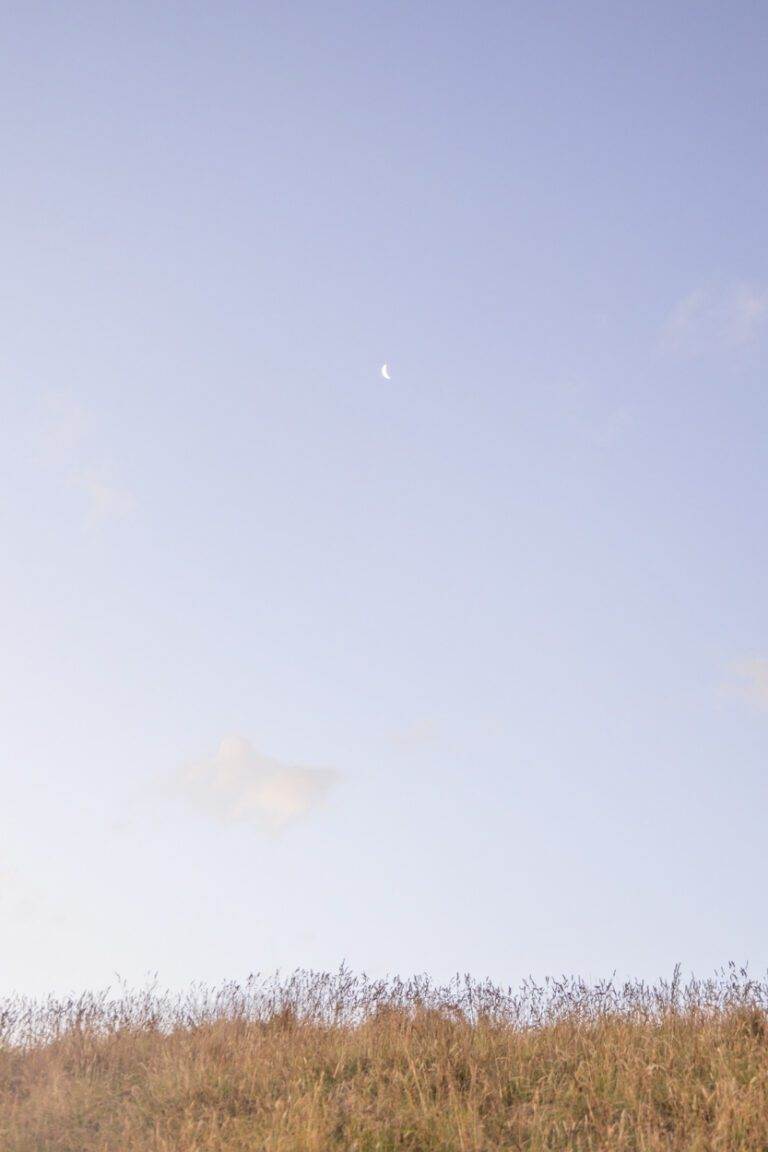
[[464, 671]]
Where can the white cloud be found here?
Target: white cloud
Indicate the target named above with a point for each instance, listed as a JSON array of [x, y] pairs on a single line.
[[753, 681], [241, 784], [107, 501], [725, 317]]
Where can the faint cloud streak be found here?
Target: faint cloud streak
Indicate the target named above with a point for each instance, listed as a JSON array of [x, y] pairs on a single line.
[[107, 501], [725, 317], [64, 428], [606, 431], [749, 312], [63, 448], [418, 734], [20, 904], [753, 681]]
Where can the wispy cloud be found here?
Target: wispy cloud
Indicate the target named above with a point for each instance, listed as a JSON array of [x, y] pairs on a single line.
[[64, 429], [20, 903], [15, 907], [748, 313], [603, 431], [725, 317], [752, 681], [65, 448], [241, 784], [106, 500], [417, 734]]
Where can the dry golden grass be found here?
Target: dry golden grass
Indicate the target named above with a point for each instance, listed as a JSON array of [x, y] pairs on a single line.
[[332, 1062]]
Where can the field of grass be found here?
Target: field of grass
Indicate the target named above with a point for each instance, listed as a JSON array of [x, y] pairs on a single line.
[[326, 1062]]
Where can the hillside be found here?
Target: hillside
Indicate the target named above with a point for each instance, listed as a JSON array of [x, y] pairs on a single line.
[[332, 1062]]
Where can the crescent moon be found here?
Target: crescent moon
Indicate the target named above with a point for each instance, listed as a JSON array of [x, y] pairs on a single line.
[[385, 371]]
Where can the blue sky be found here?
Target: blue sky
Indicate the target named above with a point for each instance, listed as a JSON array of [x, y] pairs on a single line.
[[465, 671]]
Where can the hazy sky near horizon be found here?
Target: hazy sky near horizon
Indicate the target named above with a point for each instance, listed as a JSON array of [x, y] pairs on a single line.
[[465, 671]]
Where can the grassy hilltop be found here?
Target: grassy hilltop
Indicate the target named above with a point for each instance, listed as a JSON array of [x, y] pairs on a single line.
[[320, 1063]]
